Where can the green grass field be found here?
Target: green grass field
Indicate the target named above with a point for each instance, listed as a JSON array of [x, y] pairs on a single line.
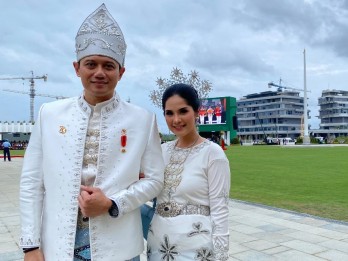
[[309, 180], [17, 152]]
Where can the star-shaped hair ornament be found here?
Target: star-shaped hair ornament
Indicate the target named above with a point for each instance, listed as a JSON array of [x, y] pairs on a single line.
[[203, 87]]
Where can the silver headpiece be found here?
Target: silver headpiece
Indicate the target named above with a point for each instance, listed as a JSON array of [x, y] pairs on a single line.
[[100, 34]]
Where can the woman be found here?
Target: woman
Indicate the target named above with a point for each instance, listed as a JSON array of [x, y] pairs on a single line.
[[191, 219]]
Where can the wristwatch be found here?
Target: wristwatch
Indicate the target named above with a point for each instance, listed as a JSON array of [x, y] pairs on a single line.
[[26, 250], [113, 210]]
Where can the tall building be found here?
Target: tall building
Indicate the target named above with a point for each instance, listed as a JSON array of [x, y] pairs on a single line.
[[333, 113], [276, 114]]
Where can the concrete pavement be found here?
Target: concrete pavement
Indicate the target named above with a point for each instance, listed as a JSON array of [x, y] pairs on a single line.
[[257, 233]]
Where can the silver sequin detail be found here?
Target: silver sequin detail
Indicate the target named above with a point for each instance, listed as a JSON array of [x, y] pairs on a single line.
[[100, 34], [169, 251], [173, 209], [91, 147], [197, 229], [173, 170], [204, 254], [224, 194]]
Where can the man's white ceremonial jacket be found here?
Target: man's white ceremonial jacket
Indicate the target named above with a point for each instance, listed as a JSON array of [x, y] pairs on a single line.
[[51, 178]]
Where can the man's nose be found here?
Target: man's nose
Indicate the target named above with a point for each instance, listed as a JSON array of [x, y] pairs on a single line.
[[99, 71]]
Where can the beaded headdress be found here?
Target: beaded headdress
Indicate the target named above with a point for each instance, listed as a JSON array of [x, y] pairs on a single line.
[[100, 34]]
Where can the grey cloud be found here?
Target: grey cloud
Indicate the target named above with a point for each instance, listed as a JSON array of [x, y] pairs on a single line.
[[227, 59], [238, 45], [317, 23]]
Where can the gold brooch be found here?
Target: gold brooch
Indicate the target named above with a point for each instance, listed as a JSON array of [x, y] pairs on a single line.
[[123, 140], [62, 129]]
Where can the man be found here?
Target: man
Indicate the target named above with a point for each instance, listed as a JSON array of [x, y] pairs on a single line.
[[218, 112], [80, 190], [202, 113], [6, 146], [210, 112]]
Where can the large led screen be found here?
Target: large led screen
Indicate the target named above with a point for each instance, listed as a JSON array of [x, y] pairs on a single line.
[[212, 111]]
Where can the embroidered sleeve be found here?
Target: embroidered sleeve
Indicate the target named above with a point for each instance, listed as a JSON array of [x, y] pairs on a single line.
[[32, 190], [149, 187], [219, 187]]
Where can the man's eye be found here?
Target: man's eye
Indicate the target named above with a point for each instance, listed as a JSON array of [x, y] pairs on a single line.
[[110, 66]]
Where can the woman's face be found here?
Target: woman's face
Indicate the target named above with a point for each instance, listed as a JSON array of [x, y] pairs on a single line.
[[180, 117]]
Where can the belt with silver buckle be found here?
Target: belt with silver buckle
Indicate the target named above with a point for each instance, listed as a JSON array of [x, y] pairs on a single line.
[[173, 209]]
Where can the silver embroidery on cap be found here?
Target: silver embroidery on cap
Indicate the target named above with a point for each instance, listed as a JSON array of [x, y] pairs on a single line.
[[100, 34]]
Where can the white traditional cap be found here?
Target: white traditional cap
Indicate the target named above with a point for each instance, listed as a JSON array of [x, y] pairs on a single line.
[[100, 34]]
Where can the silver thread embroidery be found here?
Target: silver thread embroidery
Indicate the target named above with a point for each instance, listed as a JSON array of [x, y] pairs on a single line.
[[197, 229]]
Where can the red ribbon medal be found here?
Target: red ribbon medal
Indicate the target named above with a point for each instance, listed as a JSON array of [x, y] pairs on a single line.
[[123, 140]]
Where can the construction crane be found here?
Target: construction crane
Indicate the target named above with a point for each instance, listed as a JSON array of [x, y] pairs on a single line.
[[280, 87], [31, 92]]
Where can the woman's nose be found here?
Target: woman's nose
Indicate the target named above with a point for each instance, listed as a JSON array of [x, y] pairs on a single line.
[[176, 118]]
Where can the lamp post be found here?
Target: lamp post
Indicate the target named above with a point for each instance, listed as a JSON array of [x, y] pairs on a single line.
[[306, 139]]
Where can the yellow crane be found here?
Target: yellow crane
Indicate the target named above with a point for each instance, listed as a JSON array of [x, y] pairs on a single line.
[[31, 92]]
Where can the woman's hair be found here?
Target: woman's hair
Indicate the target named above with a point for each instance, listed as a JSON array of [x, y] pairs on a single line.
[[185, 91]]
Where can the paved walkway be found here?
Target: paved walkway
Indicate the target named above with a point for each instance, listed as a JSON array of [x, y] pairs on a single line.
[[257, 233]]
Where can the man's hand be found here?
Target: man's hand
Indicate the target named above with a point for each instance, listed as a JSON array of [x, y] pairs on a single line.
[[35, 255], [93, 202]]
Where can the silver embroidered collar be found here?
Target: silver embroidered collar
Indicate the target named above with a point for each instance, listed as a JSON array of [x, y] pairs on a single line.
[[173, 170]]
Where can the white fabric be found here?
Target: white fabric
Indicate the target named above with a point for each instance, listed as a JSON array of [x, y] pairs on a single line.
[[205, 181], [51, 178]]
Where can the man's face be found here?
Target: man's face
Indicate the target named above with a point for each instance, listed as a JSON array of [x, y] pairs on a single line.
[[99, 76]]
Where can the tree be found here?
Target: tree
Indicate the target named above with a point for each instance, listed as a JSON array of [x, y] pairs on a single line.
[[203, 87]]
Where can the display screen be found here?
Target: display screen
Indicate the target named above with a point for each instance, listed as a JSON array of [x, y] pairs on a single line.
[[212, 111]]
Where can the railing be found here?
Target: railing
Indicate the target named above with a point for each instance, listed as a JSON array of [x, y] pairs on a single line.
[[16, 127]]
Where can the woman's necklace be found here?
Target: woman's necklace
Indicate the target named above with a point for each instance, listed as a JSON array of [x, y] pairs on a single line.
[[172, 172]]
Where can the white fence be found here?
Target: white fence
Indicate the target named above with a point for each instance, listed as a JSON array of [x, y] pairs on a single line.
[[16, 127]]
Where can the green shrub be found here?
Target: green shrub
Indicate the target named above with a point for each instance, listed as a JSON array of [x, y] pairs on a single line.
[[235, 141]]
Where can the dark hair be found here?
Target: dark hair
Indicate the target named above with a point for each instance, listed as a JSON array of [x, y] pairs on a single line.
[[185, 91]]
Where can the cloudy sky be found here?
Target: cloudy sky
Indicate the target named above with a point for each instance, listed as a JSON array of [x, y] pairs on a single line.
[[239, 46]]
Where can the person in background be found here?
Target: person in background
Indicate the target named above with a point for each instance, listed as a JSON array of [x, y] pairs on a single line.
[[6, 147], [79, 191], [218, 112], [191, 217], [210, 113], [201, 113]]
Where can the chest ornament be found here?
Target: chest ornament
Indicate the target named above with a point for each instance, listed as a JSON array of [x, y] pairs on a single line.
[[62, 129], [173, 170], [123, 140]]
